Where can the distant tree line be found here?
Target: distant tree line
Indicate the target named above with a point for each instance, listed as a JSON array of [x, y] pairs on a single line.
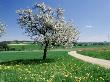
[[91, 43]]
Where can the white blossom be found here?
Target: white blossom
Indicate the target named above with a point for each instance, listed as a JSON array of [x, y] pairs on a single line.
[[47, 24], [2, 28]]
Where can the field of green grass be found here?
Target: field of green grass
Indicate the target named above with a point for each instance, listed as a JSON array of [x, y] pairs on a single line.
[[98, 53], [27, 47], [28, 66]]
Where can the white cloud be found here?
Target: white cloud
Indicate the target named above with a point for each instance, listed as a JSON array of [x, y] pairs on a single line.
[[89, 26]]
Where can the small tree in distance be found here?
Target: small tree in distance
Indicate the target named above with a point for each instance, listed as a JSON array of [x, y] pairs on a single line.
[[47, 25]]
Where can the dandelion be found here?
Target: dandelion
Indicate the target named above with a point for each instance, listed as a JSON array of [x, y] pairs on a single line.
[[91, 76], [26, 69], [25, 78], [20, 77], [84, 77], [29, 71], [101, 78], [49, 81], [52, 76], [75, 77], [88, 74], [66, 75]]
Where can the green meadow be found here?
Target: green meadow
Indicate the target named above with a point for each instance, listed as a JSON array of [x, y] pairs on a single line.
[[28, 66]]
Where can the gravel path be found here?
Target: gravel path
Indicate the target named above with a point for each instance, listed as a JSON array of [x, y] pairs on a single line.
[[100, 62]]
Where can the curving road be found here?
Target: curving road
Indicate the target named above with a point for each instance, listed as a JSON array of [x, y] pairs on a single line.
[[100, 62]]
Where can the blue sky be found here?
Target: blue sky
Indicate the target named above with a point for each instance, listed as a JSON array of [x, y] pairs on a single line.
[[91, 16]]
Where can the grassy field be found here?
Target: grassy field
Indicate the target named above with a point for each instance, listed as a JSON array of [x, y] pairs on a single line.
[[28, 66], [98, 53], [36, 47], [27, 47]]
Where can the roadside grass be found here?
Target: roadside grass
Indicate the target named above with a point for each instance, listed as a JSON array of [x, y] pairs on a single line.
[[58, 67], [100, 53]]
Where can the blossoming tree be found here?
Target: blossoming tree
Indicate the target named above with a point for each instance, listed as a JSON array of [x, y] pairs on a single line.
[[2, 28], [47, 25]]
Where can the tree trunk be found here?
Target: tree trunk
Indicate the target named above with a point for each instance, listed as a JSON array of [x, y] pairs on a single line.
[[45, 50]]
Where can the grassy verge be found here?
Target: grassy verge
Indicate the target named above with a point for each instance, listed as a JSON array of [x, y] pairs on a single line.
[[59, 67], [103, 54]]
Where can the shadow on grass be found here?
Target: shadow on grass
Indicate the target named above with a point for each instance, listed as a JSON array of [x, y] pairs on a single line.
[[27, 62]]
